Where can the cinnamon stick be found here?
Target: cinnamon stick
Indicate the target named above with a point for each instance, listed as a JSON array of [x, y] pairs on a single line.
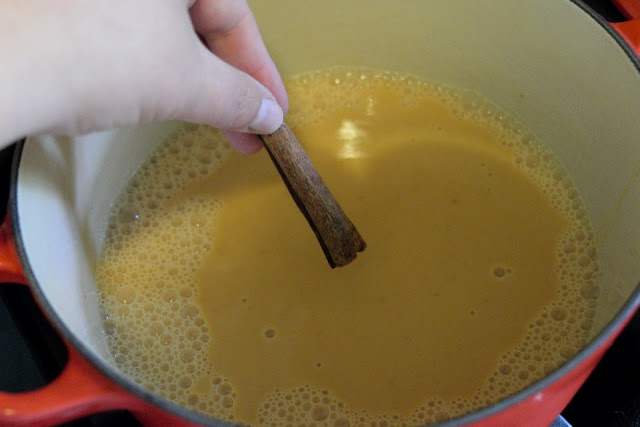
[[335, 232]]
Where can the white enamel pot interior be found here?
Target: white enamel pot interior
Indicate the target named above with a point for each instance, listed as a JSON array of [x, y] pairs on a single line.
[[551, 63]]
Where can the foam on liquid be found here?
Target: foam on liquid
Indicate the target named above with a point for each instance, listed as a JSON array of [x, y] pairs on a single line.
[[160, 304]]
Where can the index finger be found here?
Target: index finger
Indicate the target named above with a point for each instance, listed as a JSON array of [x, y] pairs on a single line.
[[230, 31]]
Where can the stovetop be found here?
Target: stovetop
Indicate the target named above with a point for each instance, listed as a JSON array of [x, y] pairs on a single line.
[[32, 355]]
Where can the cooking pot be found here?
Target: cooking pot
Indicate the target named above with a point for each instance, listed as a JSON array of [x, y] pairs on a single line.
[[553, 64]]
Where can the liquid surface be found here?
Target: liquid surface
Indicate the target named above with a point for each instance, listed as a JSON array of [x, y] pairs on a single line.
[[477, 279]]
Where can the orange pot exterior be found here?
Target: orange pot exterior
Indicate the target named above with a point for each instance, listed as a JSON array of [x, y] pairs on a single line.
[[79, 390], [629, 8], [629, 30], [543, 407], [10, 268]]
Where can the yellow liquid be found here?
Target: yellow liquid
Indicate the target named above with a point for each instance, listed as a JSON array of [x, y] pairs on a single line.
[[477, 278]]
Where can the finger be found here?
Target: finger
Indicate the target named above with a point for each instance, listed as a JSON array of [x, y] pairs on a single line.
[[230, 31], [225, 97], [245, 143]]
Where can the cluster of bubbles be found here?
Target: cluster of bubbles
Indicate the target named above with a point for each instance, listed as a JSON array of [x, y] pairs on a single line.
[[308, 406], [148, 274], [565, 325], [154, 244], [339, 85]]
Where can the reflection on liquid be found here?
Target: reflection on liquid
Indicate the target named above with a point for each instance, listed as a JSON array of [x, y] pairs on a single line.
[[370, 105], [351, 138]]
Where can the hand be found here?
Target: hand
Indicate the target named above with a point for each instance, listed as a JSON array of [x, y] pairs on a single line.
[[75, 66]]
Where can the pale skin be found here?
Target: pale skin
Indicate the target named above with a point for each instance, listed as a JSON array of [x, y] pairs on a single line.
[[78, 66]]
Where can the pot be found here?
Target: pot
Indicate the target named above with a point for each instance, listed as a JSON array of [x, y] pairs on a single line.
[[554, 64]]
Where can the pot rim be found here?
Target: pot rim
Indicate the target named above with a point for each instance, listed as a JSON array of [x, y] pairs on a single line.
[[600, 341]]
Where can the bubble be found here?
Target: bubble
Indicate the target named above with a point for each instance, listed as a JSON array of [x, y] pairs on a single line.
[[170, 295], [227, 402], [559, 313], [584, 261], [205, 159], [586, 325], [126, 295], [567, 352], [500, 271], [185, 382], [198, 221], [187, 356], [442, 416], [224, 389], [189, 311], [270, 333], [156, 329], [192, 333], [109, 327], [166, 339], [127, 215], [589, 291], [320, 413]]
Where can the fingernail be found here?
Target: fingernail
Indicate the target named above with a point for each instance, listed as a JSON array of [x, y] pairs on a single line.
[[269, 118]]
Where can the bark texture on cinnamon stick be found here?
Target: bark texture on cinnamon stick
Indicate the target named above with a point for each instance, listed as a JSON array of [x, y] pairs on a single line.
[[338, 237]]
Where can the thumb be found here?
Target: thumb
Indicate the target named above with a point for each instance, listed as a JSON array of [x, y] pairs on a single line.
[[231, 100]]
